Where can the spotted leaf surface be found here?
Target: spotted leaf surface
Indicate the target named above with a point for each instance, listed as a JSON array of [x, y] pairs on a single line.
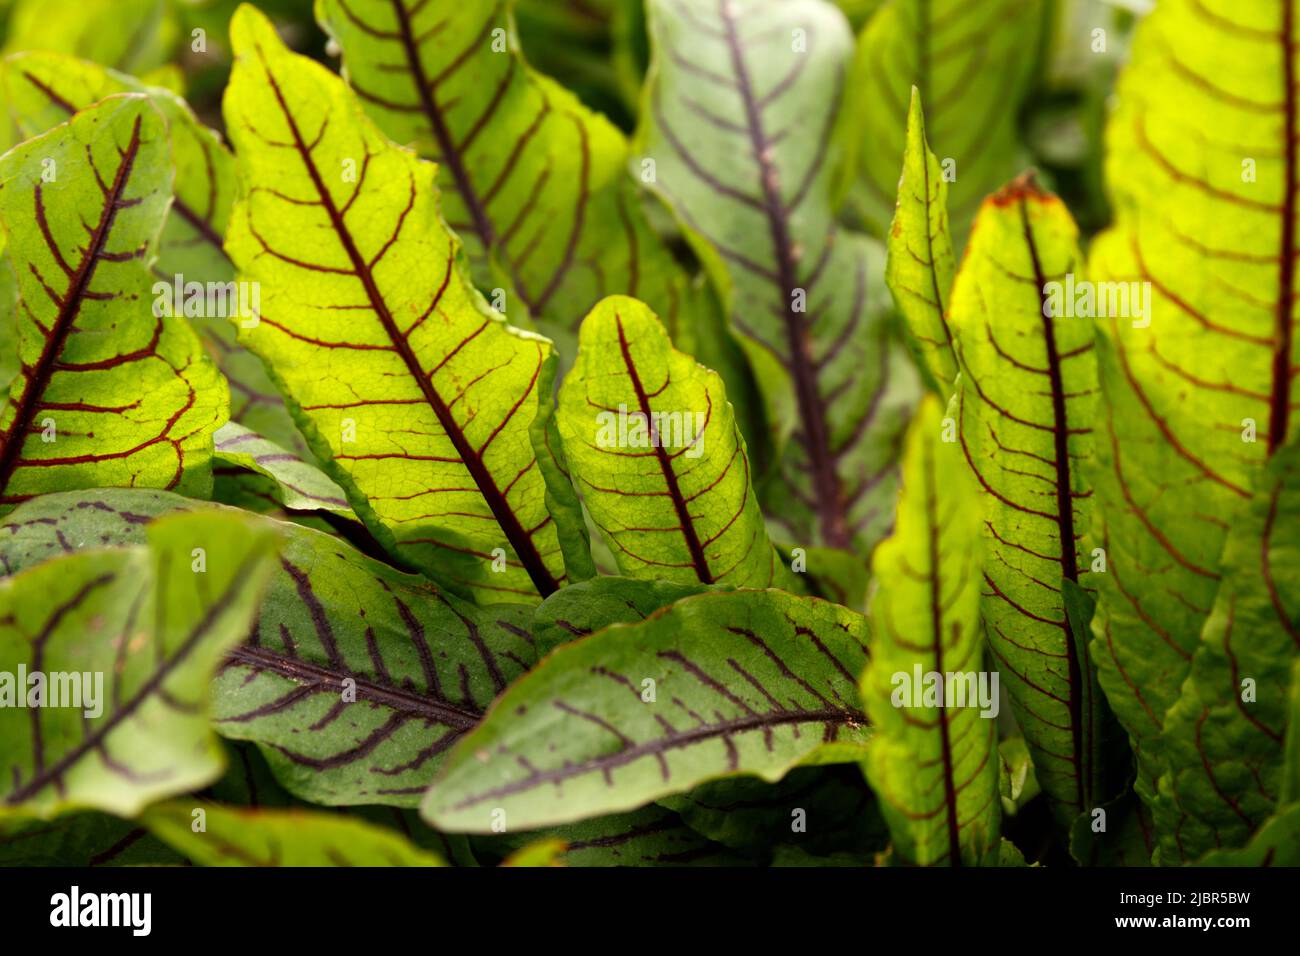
[[746, 682], [423, 402]]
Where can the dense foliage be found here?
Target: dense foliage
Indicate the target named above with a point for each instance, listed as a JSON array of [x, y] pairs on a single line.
[[606, 432]]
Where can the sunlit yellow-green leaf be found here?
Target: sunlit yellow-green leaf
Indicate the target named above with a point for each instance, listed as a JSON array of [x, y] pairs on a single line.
[[1025, 412], [654, 448], [920, 263], [1197, 345], [110, 393], [933, 760], [425, 406], [1224, 737]]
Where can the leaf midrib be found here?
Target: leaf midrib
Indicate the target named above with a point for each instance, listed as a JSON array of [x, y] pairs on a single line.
[[322, 679], [523, 545], [662, 745], [693, 545], [1280, 410], [153, 685], [812, 409], [1065, 516], [69, 308], [200, 224]]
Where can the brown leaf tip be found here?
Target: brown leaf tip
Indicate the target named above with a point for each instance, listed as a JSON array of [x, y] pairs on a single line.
[[1023, 187]]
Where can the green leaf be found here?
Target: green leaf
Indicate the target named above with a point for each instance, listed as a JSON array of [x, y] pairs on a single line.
[[535, 183], [137, 407], [749, 682], [820, 809], [1118, 833], [424, 404], [81, 840], [920, 264], [651, 836], [44, 89], [144, 628], [973, 64], [357, 679], [125, 34], [295, 484], [548, 851], [1224, 736], [1277, 841], [1025, 412], [934, 768], [654, 448], [240, 836], [588, 606], [1017, 783], [739, 120], [1199, 384]]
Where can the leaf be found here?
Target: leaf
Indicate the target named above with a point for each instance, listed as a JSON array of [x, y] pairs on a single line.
[[743, 683], [739, 121], [295, 484], [144, 629], [821, 809], [920, 264], [535, 183], [588, 606], [651, 836], [1197, 383], [422, 403], [423, 665], [1118, 833], [1277, 841], [44, 89], [81, 840], [137, 407], [239, 836], [973, 64], [124, 34], [1224, 736], [1025, 412], [934, 768], [1017, 783], [654, 448], [544, 852]]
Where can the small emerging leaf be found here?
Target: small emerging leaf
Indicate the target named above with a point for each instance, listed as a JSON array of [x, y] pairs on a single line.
[[933, 761], [654, 448]]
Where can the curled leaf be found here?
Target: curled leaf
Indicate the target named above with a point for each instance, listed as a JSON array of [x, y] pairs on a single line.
[[655, 449]]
